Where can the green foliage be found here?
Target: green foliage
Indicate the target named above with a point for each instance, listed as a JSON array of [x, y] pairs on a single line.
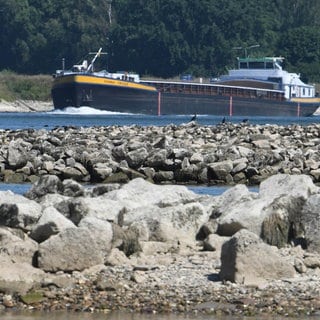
[[26, 87], [156, 37]]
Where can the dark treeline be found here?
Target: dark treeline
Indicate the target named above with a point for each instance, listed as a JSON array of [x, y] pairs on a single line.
[[161, 38]]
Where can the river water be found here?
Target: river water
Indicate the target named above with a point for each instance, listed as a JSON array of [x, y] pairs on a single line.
[[124, 316], [86, 117]]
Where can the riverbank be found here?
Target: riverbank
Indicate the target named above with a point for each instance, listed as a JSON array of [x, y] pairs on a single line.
[[25, 106], [141, 247]]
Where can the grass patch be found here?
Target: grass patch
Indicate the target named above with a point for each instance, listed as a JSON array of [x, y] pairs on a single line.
[[14, 86]]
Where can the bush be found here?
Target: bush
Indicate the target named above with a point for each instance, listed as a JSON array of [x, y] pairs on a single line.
[[25, 87]]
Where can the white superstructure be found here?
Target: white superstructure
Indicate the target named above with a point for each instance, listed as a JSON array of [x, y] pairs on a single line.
[[269, 69]]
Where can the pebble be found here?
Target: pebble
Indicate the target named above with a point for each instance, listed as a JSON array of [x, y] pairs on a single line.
[[184, 286]]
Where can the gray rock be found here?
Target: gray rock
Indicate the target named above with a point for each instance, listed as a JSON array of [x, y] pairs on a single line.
[[220, 170], [72, 188], [310, 219], [17, 153], [16, 211], [19, 278], [246, 259], [214, 243], [46, 184], [70, 250], [50, 223], [16, 246], [282, 184], [282, 224], [102, 231], [136, 157]]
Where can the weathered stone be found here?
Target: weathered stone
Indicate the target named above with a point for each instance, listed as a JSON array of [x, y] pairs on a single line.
[[310, 219], [72, 188], [282, 224], [46, 184], [16, 211], [136, 157], [50, 223], [281, 184], [17, 153], [70, 250], [16, 246], [19, 277], [220, 170], [214, 242], [248, 260]]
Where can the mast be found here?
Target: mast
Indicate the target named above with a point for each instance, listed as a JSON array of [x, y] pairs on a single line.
[[109, 2], [94, 59]]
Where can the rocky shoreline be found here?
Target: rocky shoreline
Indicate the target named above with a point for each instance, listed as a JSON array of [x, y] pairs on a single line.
[[225, 154], [141, 247], [138, 242]]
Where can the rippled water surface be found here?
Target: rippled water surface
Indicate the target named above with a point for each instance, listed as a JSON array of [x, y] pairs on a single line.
[[91, 117]]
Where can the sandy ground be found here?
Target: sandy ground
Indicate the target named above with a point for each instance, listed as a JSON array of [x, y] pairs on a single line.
[[25, 106]]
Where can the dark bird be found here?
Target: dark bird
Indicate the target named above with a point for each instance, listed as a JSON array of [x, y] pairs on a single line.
[[194, 118], [245, 120], [223, 120]]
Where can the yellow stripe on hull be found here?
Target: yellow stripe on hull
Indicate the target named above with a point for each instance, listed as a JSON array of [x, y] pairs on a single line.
[[92, 80], [306, 100]]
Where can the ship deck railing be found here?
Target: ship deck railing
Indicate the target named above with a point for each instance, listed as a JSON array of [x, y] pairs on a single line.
[[215, 90]]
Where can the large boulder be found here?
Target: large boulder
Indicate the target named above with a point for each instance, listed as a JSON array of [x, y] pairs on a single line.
[[45, 184], [179, 223], [17, 154], [102, 231], [310, 219], [246, 259], [102, 208], [73, 249], [282, 223], [16, 211], [158, 213], [245, 214], [139, 193], [17, 246], [19, 277], [285, 184], [273, 213], [51, 222]]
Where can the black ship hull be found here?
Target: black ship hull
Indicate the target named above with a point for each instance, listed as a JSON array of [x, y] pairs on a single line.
[[154, 99], [114, 95], [235, 106]]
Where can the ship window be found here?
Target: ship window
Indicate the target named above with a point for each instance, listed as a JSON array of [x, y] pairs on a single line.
[[243, 65], [269, 65], [256, 65], [275, 79]]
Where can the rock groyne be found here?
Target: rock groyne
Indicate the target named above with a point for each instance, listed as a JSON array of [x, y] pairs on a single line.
[[186, 154]]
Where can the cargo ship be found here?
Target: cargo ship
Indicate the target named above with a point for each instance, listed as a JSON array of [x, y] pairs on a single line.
[[257, 87]]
